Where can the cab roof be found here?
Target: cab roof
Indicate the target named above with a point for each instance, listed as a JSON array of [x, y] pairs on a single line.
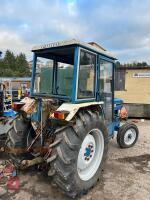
[[72, 42]]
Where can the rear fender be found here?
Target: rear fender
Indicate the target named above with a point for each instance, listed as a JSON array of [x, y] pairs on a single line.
[[72, 109]]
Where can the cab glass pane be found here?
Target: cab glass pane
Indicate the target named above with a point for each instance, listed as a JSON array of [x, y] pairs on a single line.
[[86, 75]]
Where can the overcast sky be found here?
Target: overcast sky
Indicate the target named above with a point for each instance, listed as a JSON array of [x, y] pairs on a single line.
[[120, 26]]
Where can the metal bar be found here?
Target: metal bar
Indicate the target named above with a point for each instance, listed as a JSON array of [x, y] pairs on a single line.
[[38, 132], [98, 79], [113, 87], [74, 86], [51, 96], [33, 73]]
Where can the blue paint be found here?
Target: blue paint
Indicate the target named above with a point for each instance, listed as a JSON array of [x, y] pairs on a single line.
[[36, 116], [74, 85], [88, 152], [118, 101], [98, 79], [110, 128], [9, 113]]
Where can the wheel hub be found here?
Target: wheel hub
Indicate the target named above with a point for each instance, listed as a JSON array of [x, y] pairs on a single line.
[[90, 154], [130, 136], [87, 152]]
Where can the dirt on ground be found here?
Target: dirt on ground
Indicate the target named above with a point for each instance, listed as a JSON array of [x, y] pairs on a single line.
[[126, 176]]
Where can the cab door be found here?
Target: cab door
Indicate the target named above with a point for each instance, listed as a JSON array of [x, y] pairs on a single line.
[[106, 90]]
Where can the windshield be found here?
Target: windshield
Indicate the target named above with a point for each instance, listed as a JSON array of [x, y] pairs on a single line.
[[53, 77]]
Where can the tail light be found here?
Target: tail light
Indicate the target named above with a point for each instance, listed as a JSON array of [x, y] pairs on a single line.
[[60, 115], [17, 105]]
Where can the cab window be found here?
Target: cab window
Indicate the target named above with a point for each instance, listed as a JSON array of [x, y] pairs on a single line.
[[86, 75]]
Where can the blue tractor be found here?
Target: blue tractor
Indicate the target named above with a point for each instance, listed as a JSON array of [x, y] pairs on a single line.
[[70, 116]]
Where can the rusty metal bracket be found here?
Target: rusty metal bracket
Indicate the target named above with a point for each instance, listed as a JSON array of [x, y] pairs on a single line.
[[29, 163]]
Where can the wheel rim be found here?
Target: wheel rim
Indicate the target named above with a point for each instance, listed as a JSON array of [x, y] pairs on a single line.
[[130, 136], [90, 154]]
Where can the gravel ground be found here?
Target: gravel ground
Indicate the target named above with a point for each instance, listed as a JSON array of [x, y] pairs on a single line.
[[126, 176]]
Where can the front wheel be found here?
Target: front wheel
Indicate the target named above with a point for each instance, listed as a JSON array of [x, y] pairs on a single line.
[[127, 135], [80, 155]]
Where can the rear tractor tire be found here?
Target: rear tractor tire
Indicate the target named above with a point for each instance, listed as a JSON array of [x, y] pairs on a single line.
[[17, 139], [127, 135], [80, 155]]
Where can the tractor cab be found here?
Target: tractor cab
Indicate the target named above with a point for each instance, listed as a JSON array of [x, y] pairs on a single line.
[[75, 72]]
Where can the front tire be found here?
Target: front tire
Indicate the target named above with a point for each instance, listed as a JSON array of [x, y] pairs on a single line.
[[127, 135], [80, 155]]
